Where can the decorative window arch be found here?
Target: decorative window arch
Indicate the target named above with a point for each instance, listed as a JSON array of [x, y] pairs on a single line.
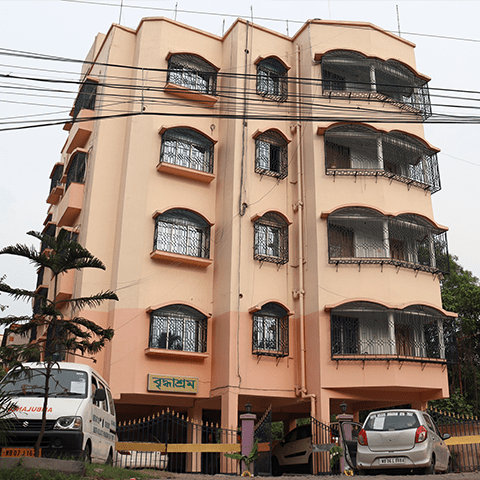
[[373, 331], [271, 154], [271, 239], [348, 74], [359, 235], [183, 232], [360, 150], [270, 331], [272, 79], [188, 148], [76, 169], [178, 327], [192, 72]]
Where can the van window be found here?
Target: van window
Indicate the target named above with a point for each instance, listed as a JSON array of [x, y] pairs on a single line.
[[110, 402], [104, 404]]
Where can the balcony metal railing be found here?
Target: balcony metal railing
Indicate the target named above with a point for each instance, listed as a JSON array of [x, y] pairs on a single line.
[[76, 169], [367, 331], [363, 236], [350, 74], [357, 150]]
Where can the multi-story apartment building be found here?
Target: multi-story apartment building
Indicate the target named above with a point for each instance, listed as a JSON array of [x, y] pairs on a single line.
[[263, 206]]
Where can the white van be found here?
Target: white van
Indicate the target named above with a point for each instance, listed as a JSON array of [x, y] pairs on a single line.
[[80, 413]]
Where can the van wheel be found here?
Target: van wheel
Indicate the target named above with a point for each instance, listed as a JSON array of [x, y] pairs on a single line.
[[87, 454], [109, 460]]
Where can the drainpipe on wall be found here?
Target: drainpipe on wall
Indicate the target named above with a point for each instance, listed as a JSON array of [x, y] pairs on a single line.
[[300, 293]]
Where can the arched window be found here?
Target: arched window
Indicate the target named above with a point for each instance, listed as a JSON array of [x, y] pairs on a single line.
[[359, 150], [178, 327], [362, 235], [271, 239], [183, 232], [271, 155], [270, 331], [350, 74], [76, 169], [272, 79], [192, 72], [369, 329], [187, 148]]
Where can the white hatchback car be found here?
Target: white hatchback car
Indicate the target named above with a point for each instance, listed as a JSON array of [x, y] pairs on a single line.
[[403, 438]]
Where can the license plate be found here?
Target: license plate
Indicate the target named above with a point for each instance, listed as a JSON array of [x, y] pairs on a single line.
[[18, 452], [392, 461]]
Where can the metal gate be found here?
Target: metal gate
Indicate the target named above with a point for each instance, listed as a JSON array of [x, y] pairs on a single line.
[[263, 434], [464, 443], [324, 437], [169, 441]]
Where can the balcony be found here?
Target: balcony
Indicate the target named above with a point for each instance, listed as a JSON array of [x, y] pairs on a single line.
[[364, 331], [347, 74], [80, 131], [65, 286], [355, 150], [71, 204], [56, 186], [359, 235]]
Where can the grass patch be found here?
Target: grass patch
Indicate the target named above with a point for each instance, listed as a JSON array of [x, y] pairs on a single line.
[[93, 472]]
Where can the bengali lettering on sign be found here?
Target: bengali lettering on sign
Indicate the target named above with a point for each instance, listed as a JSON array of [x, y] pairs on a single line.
[[172, 383]]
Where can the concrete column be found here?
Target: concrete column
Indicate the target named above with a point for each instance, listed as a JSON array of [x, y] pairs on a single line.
[[229, 419], [391, 334], [195, 436], [248, 437]]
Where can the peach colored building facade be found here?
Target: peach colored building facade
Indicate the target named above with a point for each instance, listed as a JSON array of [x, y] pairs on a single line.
[[263, 207]]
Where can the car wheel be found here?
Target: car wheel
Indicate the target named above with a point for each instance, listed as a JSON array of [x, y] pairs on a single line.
[[276, 470], [430, 470], [87, 454]]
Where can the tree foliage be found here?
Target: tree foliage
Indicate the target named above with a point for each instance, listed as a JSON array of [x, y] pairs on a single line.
[[55, 327], [461, 294]]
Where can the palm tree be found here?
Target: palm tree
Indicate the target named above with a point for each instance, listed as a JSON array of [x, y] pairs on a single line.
[[56, 318]]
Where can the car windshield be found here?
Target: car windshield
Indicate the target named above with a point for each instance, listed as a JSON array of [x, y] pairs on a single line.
[[31, 382], [385, 421]]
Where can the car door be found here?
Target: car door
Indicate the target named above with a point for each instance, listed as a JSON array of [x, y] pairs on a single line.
[[348, 441]]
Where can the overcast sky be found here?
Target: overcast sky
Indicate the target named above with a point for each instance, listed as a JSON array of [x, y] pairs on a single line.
[[447, 41]]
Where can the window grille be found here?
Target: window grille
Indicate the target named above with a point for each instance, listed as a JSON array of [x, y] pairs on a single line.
[[374, 332], [76, 169], [346, 74], [271, 239], [86, 97], [178, 327], [361, 235], [187, 148], [272, 79], [270, 331], [183, 232], [56, 177], [192, 72], [357, 150], [271, 155]]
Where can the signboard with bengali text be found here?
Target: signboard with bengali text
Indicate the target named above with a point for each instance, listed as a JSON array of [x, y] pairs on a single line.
[[172, 383]]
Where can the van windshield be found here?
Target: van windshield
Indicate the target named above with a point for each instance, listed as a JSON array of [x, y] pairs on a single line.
[[31, 382]]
